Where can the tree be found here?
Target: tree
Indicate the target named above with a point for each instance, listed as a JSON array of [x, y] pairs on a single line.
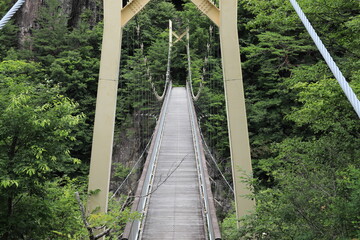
[[49, 39], [37, 131], [304, 133], [314, 176], [5, 6], [76, 74]]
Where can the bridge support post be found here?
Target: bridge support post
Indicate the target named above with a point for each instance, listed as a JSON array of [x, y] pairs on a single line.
[[235, 105], [101, 154]]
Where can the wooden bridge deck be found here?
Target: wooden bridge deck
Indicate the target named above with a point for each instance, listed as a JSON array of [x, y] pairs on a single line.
[[175, 207]]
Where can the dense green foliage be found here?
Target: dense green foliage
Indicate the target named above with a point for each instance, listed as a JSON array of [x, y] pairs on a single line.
[[48, 90], [304, 134], [38, 130]]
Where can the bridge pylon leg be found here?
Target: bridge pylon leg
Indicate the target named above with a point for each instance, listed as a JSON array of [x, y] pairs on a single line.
[[235, 105], [101, 154]]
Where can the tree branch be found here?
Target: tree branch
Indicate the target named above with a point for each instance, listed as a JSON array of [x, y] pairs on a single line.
[[83, 216]]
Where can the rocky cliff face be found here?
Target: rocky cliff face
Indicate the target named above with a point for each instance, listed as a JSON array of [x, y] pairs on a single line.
[[26, 17], [77, 7]]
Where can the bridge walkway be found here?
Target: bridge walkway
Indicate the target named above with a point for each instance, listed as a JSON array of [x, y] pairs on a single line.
[[174, 192], [175, 208]]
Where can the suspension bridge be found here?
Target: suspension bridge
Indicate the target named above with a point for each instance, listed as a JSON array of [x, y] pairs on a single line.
[[174, 192]]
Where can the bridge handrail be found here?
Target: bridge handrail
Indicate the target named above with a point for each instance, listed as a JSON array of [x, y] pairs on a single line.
[[132, 229], [209, 206]]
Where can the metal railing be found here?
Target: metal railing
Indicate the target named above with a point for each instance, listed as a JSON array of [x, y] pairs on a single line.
[[205, 185], [132, 229]]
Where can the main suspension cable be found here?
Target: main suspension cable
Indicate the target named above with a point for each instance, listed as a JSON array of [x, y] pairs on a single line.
[[11, 13], [195, 97], [168, 68], [167, 80], [329, 60]]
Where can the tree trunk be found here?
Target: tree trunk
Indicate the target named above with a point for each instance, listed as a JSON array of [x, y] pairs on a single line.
[[26, 20], [9, 214], [76, 9]]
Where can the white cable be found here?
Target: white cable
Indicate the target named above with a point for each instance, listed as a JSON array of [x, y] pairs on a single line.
[[168, 69], [11, 13], [158, 97], [133, 168], [213, 159], [329, 60], [195, 98]]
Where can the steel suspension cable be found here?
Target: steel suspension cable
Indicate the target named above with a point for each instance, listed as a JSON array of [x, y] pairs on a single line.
[[11, 13], [215, 163], [329, 60], [168, 68], [167, 79], [210, 69], [133, 168], [195, 97]]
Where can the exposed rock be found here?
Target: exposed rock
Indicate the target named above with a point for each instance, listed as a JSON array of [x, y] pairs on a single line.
[[126, 152], [26, 18]]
